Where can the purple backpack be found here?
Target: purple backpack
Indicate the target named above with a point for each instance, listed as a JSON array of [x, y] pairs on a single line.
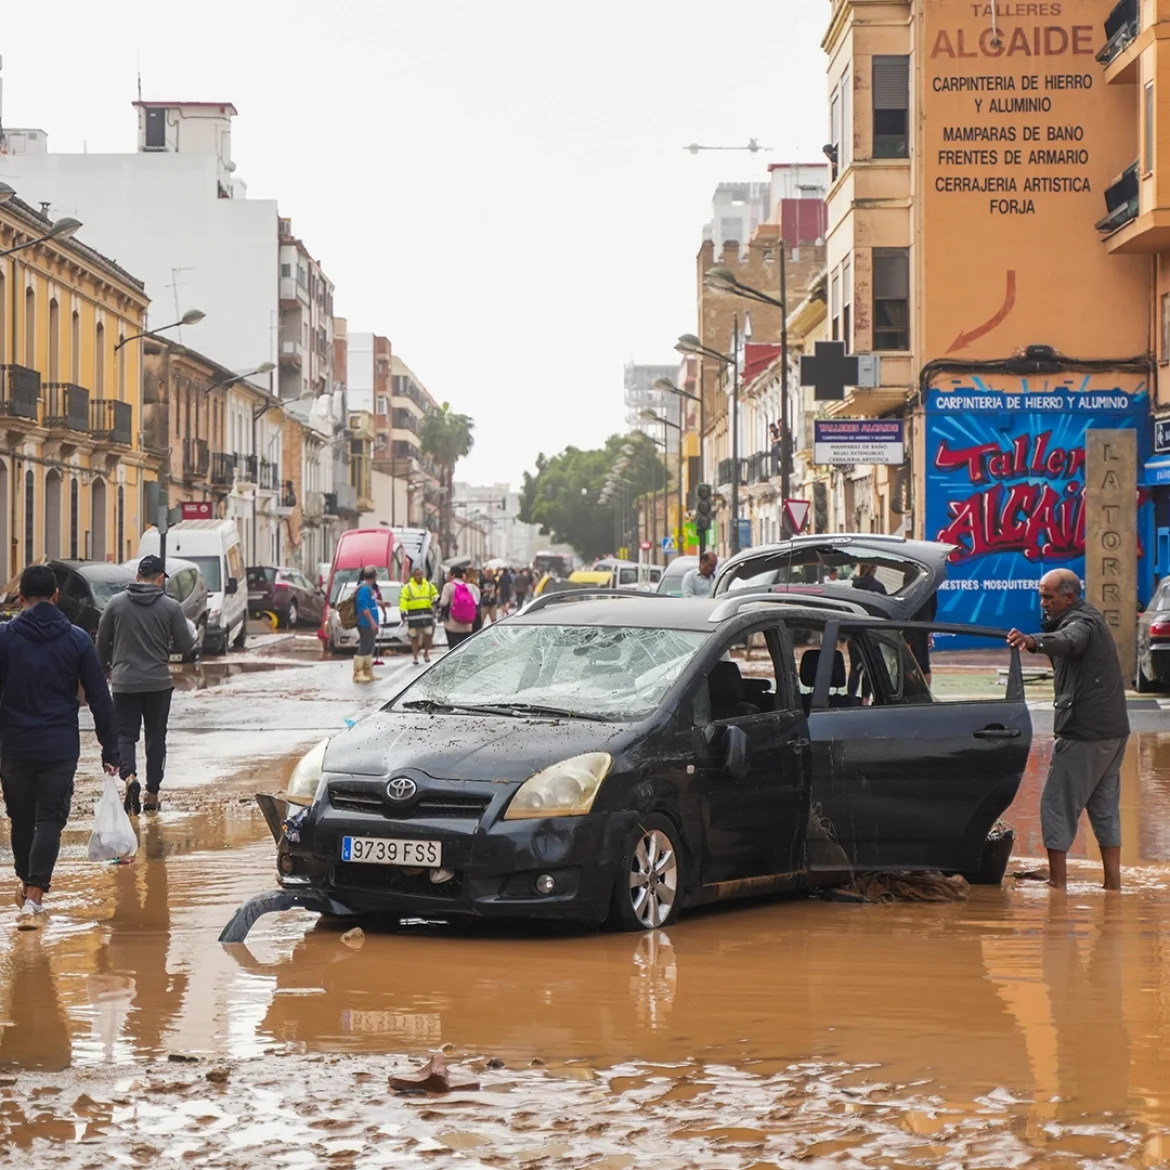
[[463, 608]]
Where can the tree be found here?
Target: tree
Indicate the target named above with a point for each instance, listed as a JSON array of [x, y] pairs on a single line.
[[566, 496], [446, 437]]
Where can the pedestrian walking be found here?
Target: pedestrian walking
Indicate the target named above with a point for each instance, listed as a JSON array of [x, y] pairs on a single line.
[[138, 630], [521, 587], [45, 661], [1091, 726], [505, 591], [460, 602], [368, 615], [417, 602], [489, 596], [700, 582]]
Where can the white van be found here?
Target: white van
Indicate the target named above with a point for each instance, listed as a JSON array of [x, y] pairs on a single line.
[[213, 545]]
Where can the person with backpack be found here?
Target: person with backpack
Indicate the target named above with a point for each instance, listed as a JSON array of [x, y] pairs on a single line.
[[460, 602]]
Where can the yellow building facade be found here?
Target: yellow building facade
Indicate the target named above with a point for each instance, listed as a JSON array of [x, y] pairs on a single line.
[[73, 472]]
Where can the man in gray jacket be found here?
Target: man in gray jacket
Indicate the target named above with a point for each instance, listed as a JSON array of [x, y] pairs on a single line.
[[1091, 726], [134, 642]]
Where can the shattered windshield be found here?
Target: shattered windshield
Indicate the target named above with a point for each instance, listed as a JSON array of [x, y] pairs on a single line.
[[606, 672], [825, 565]]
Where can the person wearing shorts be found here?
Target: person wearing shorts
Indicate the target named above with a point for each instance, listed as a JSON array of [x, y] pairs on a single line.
[[1091, 726], [417, 602], [489, 596]]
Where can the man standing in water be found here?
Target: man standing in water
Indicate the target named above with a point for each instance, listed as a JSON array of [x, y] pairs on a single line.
[[44, 661], [1091, 726]]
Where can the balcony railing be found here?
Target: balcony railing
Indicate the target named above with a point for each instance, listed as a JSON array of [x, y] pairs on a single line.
[[291, 353], [345, 500], [196, 458], [247, 468], [288, 497], [724, 474], [269, 476], [109, 421], [330, 503], [1121, 201], [66, 407], [20, 392], [223, 469], [1121, 30]]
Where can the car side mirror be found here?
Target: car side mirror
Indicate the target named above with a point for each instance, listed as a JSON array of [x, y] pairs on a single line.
[[233, 586], [736, 757]]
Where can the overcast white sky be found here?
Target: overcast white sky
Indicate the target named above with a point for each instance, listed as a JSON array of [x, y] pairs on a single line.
[[498, 186]]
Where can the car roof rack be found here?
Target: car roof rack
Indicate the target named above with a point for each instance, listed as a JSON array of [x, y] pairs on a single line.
[[599, 594], [734, 605]]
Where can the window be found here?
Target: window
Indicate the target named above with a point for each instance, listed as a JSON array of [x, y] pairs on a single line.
[[73, 517], [121, 521], [835, 305], [1148, 143], [120, 366], [732, 694], [75, 348], [383, 404], [99, 360], [30, 510], [30, 329], [54, 341], [156, 129], [286, 270], [1166, 327], [845, 142], [903, 682], [835, 131], [891, 298], [891, 101], [847, 303], [731, 228]]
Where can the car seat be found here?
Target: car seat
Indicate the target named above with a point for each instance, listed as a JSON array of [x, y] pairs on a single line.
[[759, 691], [810, 661], [725, 686]]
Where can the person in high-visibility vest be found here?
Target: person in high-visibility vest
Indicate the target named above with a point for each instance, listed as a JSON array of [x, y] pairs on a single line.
[[417, 602]]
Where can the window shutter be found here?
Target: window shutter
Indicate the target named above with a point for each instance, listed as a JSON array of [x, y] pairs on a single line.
[[891, 273], [891, 83]]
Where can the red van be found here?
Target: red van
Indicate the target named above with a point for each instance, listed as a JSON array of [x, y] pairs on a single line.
[[356, 549]]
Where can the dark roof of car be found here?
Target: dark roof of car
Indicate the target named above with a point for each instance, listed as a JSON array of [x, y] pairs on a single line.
[[97, 570]]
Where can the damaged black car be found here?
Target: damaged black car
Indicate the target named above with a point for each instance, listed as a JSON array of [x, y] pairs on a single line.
[[620, 758]]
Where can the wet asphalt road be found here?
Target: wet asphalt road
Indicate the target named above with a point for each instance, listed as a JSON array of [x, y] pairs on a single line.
[[1017, 1029]]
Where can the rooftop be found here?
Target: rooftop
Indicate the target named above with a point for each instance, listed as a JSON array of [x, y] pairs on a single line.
[[223, 107]]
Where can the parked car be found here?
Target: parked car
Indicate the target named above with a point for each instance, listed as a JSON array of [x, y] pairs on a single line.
[[356, 549], [286, 592], [213, 545], [186, 585], [392, 634], [606, 758], [1153, 641], [671, 581], [910, 571], [85, 589]]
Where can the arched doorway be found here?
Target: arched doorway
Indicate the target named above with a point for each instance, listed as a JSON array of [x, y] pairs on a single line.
[[97, 524], [52, 514]]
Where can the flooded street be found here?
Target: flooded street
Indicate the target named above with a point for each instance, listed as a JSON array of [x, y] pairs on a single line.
[[1019, 1028]]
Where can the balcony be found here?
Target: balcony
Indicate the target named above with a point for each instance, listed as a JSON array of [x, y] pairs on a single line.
[[1121, 30], [288, 495], [1124, 229], [110, 422], [66, 407], [20, 392], [196, 459], [758, 467], [223, 469], [724, 472], [292, 354], [313, 505], [269, 476]]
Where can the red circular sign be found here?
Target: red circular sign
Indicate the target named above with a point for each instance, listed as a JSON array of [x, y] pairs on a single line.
[[645, 546]]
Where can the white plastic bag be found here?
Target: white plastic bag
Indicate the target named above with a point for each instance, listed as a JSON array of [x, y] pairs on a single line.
[[113, 835]]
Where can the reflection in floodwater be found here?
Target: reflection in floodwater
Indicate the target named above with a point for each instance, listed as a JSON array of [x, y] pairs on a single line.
[[1018, 1027]]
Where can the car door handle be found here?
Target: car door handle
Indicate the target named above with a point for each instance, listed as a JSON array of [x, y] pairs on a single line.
[[798, 745], [998, 733]]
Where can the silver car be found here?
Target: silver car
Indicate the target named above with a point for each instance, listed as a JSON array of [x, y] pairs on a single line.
[[392, 635]]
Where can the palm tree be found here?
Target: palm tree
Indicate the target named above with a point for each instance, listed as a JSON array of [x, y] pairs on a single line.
[[446, 438]]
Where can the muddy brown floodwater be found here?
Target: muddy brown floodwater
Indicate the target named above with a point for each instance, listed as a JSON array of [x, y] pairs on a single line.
[[1019, 1029]]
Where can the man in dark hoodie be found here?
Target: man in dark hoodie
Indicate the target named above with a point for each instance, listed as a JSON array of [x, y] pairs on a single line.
[[44, 659], [135, 637]]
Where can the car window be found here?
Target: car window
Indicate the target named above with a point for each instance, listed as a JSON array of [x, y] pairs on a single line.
[[210, 568], [627, 576], [849, 681], [824, 564], [180, 584], [258, 577], [1161, 599], [903, 682], [235, 562], [104, 588], [750, 679], [610, 672]]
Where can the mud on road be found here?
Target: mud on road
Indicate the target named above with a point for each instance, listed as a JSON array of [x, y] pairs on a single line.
[[1016, 1029]]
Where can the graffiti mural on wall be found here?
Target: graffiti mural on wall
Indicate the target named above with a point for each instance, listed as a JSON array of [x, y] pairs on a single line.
[[1005, 482]]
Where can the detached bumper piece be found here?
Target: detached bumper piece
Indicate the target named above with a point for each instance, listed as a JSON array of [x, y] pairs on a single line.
[[274, 901]]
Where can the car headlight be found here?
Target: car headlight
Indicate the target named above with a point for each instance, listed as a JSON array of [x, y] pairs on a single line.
[[306, 776], [566, 789]]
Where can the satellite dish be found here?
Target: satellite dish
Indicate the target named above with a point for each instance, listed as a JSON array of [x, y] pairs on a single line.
[[231, 166]]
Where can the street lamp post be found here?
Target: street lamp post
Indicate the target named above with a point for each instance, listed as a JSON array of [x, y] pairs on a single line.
[[652, 416], [724, 280], [190, 317], [666, 386]]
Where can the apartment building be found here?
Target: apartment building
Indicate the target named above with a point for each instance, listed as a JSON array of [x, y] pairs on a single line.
[[75, 478], [306, 320]]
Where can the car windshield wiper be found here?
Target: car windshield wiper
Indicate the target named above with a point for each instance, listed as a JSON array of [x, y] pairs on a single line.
[[541, 709], [440, 705], [510, 710]]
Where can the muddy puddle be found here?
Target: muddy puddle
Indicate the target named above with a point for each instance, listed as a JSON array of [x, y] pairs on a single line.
[[1018, 1029]]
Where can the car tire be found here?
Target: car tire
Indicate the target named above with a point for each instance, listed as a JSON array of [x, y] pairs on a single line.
[[1143, 685], [201, 637], [290, 618], [241, 639], [648, 892]]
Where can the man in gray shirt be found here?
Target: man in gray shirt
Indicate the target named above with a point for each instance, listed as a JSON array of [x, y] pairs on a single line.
[[1091, 726], [134, 643], [701, 581]]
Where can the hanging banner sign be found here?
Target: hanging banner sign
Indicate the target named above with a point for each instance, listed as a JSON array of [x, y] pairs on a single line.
[[846, 441]]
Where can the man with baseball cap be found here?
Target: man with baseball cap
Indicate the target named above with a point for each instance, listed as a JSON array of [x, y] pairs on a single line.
[[139, 630]]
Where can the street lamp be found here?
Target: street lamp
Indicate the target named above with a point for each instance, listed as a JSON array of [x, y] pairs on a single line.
[[60, 229], [666, 386], [262, 368], [652, 416], [723, 280], [6, 192], [190, 317]]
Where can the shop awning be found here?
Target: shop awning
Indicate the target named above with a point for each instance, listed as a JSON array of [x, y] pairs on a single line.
[[1156, 471]]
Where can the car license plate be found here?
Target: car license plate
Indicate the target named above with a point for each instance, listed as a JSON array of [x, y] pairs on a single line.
[[392, 851]]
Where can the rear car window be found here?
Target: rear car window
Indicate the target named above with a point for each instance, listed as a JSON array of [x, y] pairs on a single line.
[[823, 565], [261, 576]]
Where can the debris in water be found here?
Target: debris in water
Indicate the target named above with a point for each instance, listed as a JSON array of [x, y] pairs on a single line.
[[181, 1058], [433, 1077], [909, 887], [495, 1062], [354, 938], [1031, 875], [217, 1076]]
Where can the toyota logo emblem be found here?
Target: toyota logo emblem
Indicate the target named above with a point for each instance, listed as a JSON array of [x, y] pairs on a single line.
[[401, 788]]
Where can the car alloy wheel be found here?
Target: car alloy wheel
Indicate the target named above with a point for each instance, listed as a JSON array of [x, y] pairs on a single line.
[[292, 615], [649, 888]]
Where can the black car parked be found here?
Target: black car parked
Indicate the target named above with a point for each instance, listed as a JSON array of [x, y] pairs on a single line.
[[608, 758], [85, 589]]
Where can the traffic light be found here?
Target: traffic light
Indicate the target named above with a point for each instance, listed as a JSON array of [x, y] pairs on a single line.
[[821, 505], [703, 507]]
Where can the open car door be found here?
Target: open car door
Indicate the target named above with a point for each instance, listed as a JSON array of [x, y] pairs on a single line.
[[902, 780]]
